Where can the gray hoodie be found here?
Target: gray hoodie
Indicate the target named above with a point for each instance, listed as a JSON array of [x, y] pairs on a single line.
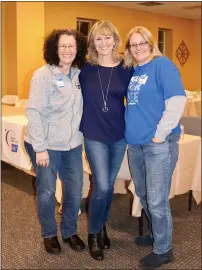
[[54, 110]]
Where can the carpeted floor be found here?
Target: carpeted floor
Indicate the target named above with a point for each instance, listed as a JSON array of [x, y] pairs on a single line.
[[22, 246]]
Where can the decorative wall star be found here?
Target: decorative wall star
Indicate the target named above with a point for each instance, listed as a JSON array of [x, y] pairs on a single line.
[[182, 53]]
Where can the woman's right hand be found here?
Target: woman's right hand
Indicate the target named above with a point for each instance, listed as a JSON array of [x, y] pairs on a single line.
[[42, 159]]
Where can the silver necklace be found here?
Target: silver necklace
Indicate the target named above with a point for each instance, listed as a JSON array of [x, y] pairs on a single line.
[[105, 108]]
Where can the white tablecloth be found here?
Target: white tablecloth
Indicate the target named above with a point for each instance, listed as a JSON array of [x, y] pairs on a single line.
[[14, 123], [13, 152], [187, 175]]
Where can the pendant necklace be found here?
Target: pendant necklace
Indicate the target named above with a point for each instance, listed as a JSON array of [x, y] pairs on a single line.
[[105, 108]]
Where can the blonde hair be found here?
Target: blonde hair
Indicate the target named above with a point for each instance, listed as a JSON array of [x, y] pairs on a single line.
[[147, 35], [103, 27]]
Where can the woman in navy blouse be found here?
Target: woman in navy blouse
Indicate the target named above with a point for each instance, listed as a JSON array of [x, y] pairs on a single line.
[[104, 83]]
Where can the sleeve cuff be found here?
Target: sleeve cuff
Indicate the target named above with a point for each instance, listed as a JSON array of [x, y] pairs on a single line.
[[160, 136], [41, 148]]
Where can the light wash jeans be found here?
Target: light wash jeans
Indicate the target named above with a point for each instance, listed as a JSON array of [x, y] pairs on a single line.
[[105, 161], [152, 166], [69, 166]]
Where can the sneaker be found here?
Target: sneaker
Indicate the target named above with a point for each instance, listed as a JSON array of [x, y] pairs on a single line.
[[156, 260]]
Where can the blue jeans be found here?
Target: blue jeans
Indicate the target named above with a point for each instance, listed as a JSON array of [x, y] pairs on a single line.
[[68, 164], [152, 166], [105, 161]]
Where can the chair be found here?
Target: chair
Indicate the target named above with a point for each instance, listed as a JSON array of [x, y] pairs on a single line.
[[22, 103], [9, 99], [192, 126], [189, 93], [198, 107]]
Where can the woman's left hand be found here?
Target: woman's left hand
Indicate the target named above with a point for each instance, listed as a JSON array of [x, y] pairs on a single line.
[[156, 140]]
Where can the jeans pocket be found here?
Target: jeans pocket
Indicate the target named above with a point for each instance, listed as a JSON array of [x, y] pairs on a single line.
[[156, 143]]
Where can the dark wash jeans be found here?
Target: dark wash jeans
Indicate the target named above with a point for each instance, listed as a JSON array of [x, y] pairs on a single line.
[[68, 164], [152, 166], [105, 161]]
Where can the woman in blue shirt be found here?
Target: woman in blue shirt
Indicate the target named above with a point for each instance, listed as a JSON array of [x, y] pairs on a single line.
[[155, 103], [104, 84]]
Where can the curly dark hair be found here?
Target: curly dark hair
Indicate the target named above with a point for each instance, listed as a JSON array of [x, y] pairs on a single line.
[[50, 48]]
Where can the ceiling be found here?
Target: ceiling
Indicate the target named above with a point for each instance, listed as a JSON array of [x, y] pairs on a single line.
[[188, 10]]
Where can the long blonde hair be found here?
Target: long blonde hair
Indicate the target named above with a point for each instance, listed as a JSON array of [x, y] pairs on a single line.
[[103, 27], [147, 35]]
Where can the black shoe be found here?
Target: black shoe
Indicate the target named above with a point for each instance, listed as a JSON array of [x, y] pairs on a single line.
[[156, 260], [52, 245], [105, 241], [144, 241], [75, 242], [95, 246]]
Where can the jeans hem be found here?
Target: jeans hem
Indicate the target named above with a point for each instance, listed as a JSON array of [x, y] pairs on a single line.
[[48, 236], [160, 252], [68, 235]]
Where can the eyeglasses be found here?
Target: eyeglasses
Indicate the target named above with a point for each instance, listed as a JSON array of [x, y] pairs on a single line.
[[63, 47], [135, 45]]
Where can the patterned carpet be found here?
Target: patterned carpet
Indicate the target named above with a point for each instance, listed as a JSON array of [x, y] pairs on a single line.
[[22, 246]]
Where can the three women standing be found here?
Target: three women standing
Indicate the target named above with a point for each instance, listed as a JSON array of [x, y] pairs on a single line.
[[155, 103]]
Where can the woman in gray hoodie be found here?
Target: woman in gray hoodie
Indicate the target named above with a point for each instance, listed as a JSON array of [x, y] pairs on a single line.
[[53, 140]]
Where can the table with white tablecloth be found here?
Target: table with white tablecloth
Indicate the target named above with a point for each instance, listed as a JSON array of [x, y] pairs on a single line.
[[187, 174], [14, 123]]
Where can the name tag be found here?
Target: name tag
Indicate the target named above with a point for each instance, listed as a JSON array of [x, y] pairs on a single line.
[[59, 82]]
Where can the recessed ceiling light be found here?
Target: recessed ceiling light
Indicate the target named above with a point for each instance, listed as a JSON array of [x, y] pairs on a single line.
[[150, 4]]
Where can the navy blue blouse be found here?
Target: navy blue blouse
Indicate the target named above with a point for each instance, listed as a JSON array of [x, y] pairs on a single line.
[[96, 124]]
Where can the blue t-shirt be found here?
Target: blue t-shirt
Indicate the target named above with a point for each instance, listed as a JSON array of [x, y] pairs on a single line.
[[95, 124], [148, 89]]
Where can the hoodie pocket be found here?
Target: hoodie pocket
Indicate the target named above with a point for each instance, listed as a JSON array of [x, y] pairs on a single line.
[[53, 133]]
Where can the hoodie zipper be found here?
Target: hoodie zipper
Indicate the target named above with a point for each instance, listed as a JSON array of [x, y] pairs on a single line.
[[72, 110]]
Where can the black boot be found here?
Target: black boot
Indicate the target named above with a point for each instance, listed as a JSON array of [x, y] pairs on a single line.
[[52, 245], [75, 242], [105, 241], [95, 247]]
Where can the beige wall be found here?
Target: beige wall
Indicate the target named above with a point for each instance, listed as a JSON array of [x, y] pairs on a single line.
[[64, 14], [30, 34], [22, 42], [24, 24], [196, 56], [9, 48]]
